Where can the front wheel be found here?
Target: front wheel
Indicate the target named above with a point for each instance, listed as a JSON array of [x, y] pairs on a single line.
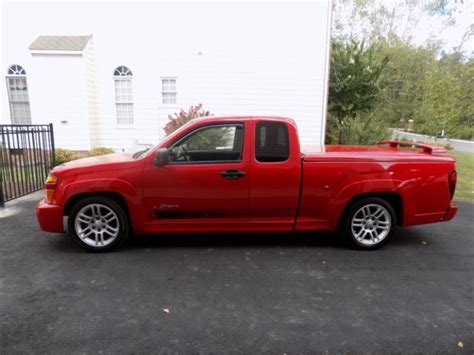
[[98, 223], [369, 223]]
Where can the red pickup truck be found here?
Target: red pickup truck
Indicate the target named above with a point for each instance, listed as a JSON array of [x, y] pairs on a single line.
[[247, 174]]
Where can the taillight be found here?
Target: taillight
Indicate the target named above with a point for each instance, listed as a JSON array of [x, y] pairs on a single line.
[[49, 186], [452, 179]]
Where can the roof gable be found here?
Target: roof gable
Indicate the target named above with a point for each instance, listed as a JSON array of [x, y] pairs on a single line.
[[60, 43]]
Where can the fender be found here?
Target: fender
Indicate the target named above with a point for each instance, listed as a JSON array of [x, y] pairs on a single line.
[[337, 205], [129, 193]]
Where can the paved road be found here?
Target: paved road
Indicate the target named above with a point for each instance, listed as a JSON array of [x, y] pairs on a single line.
[[254, 293]]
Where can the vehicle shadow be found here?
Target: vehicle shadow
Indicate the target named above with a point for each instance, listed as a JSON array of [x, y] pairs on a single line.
[[322, 240], [260, 240], [224, 240]]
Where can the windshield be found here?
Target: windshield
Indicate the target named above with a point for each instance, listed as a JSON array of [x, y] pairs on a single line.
[[178, 131], [141, 152]]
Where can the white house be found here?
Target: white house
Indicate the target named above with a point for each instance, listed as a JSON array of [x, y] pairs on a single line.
[[109, 74]]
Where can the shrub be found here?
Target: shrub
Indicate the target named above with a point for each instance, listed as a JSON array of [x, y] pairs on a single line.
[[356, 130], [64, 155], [99, 151], [178, 119], [466, 133], [354, 82]]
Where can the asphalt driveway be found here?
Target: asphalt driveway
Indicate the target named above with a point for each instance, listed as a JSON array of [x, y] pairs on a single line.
[[233, 294]]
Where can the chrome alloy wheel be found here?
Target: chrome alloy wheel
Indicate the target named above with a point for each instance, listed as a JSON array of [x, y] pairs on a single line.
[[97, 225], [371, 224]]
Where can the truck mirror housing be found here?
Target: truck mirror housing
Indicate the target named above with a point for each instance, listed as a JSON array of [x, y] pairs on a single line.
[[161, 157]]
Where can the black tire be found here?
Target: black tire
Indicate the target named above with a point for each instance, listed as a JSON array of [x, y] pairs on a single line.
[[120, 224], [366, 235]]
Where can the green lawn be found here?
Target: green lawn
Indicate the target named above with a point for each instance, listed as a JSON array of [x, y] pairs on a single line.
[[465, 169]]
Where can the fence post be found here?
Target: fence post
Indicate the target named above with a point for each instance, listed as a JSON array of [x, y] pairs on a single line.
[[53, 153], [2, 196]]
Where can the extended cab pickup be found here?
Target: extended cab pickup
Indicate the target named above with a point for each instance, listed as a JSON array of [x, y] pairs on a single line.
[[247, 174]]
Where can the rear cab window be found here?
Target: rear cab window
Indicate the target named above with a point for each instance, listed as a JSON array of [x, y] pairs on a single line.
[[271, 142]]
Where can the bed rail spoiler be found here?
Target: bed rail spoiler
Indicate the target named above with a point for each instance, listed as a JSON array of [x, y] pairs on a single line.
[[430, 149]]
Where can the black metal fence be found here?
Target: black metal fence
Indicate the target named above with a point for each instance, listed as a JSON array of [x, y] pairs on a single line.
[[26, 156]]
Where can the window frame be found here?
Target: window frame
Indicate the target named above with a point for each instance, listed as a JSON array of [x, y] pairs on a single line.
[[255, 143], [18, 74], [121, 72], [200, 128], [122, 77], [163, 78]]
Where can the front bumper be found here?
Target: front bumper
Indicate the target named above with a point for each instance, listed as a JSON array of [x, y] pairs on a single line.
[[50, 217], [450, 213]]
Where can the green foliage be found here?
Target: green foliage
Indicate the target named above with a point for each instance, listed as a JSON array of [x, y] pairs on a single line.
[[64, 155], [354, 90], [465, 169], [448, 99], [99, 151], [419, 83], [437, 93], [403, 76], [359, 130], [354, 79]]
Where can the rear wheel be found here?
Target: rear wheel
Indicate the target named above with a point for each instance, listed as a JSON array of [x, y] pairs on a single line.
[[98, 223], [369, 223]]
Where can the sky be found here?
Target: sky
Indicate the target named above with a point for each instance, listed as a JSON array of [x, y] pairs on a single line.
[[427, 27], [418, 23], [182, 27], [451, 36]]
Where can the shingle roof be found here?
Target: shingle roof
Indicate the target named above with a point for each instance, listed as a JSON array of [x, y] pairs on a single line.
[[60, 43]]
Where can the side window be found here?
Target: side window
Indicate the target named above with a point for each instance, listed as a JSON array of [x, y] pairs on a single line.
[[272, 144], [18, 95], [123, 95], [168, 90], [220, 143]]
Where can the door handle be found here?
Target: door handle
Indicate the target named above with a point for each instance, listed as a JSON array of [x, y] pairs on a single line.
[[232, 174]]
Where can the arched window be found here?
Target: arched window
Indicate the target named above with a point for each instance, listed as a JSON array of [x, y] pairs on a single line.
[[122, 71], [16, 70], [18, 97], [123, 95]]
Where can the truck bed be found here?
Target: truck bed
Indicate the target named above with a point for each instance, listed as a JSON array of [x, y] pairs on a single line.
[[374, 154]]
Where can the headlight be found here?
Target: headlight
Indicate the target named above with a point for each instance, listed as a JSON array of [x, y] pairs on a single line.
[[51, 179], [49, 186]]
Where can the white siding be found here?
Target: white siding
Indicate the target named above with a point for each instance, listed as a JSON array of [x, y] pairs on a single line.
[[237, 58], [64, 103], [93, 98]]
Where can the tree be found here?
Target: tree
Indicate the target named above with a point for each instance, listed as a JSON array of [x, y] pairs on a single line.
[[354, 90], [448, 99], [419, 82], [354, 85], [178, 119], [404, 81], [381, 20], [432, 88]]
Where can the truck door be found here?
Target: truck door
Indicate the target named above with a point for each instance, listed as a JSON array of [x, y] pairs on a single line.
[[205, 184], [275, 174]]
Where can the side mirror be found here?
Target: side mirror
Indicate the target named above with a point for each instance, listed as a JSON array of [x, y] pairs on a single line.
[[161, 158]]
